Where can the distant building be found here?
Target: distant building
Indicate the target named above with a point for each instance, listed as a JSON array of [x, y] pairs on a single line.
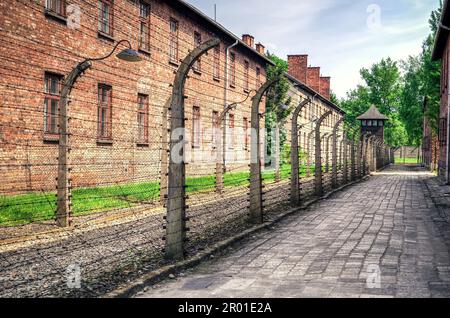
[[373, 122]]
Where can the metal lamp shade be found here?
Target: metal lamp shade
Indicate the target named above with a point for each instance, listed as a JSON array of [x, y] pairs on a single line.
[[129, 55]]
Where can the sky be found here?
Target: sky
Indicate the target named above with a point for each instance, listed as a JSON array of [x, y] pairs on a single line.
[[340, 36]]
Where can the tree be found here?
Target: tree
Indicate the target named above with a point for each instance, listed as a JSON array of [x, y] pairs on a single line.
[[411, 100], [278, 108], [430, 72], [382, 88]]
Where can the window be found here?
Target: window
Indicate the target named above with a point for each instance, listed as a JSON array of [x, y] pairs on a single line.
[[105, 14], [142, 119], [245, 133], [231, 127], [104, 130], [443, 131], [196, 136], [215, 129], [216, 70], [258, 78], [197, 42], [53, 84], [56, 6], [232, 69], [173, 45], [364, 123], [144, 26], [246, 75]]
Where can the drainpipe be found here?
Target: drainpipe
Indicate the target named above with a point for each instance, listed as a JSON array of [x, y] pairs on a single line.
[[224, 130]]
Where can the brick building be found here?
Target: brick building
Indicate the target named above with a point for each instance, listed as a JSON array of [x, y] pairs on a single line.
[[309, 83], [441, 52], [118, 111]]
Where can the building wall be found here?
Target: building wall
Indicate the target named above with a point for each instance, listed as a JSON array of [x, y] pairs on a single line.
[[33, 44], [443, 125]]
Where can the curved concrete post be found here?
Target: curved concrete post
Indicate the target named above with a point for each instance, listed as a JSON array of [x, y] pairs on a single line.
[[63, 189], [358, 158], [256, 206], [295, 161], [318, 164], [327, 137], [372, 156], [308, 160], [352, 161], [345, 144], [365, 141], [334, 154], [176, 197]]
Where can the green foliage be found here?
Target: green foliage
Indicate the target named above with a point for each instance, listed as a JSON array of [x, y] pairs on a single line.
[[411, 101], [277, 97], [399, 93]]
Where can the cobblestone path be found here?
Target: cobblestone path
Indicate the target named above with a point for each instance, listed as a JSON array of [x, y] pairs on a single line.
[[380, 238]]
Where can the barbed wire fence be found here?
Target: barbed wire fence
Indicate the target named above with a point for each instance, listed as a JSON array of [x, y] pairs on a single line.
[[144, 201]]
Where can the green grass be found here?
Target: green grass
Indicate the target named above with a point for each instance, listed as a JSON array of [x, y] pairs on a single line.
[[34, 207], [400, 161]]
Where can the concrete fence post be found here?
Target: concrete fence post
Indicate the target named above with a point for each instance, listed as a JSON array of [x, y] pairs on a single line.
[[318, 163], [64, 183], [358, 158], [308, 160], [345, 160], [334, 155], [352, 161], [176, 198], [295, 160], [256, 206]]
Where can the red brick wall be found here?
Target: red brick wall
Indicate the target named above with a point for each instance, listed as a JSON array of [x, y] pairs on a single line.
[[325, 83], [32, 44], [313, 78], [444, 112], [298, 65]]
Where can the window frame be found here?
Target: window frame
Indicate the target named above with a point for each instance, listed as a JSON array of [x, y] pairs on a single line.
[[215, 129], [246, 76], [258, 77], [108, 117], [196, 127], [143, 99], [174, 41], [50, 96], [232, 69], [144, 21], [216, 63], [197, 67], [101, 24], [231, 125], [246, 135], [51, 8]]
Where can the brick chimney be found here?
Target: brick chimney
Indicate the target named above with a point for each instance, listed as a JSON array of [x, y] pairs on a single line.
[[297, 66], [325, 87], [248, 39], [261, 49], [313, 78]]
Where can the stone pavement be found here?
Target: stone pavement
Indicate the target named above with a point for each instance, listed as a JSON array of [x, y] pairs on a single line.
[[379, 238]]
